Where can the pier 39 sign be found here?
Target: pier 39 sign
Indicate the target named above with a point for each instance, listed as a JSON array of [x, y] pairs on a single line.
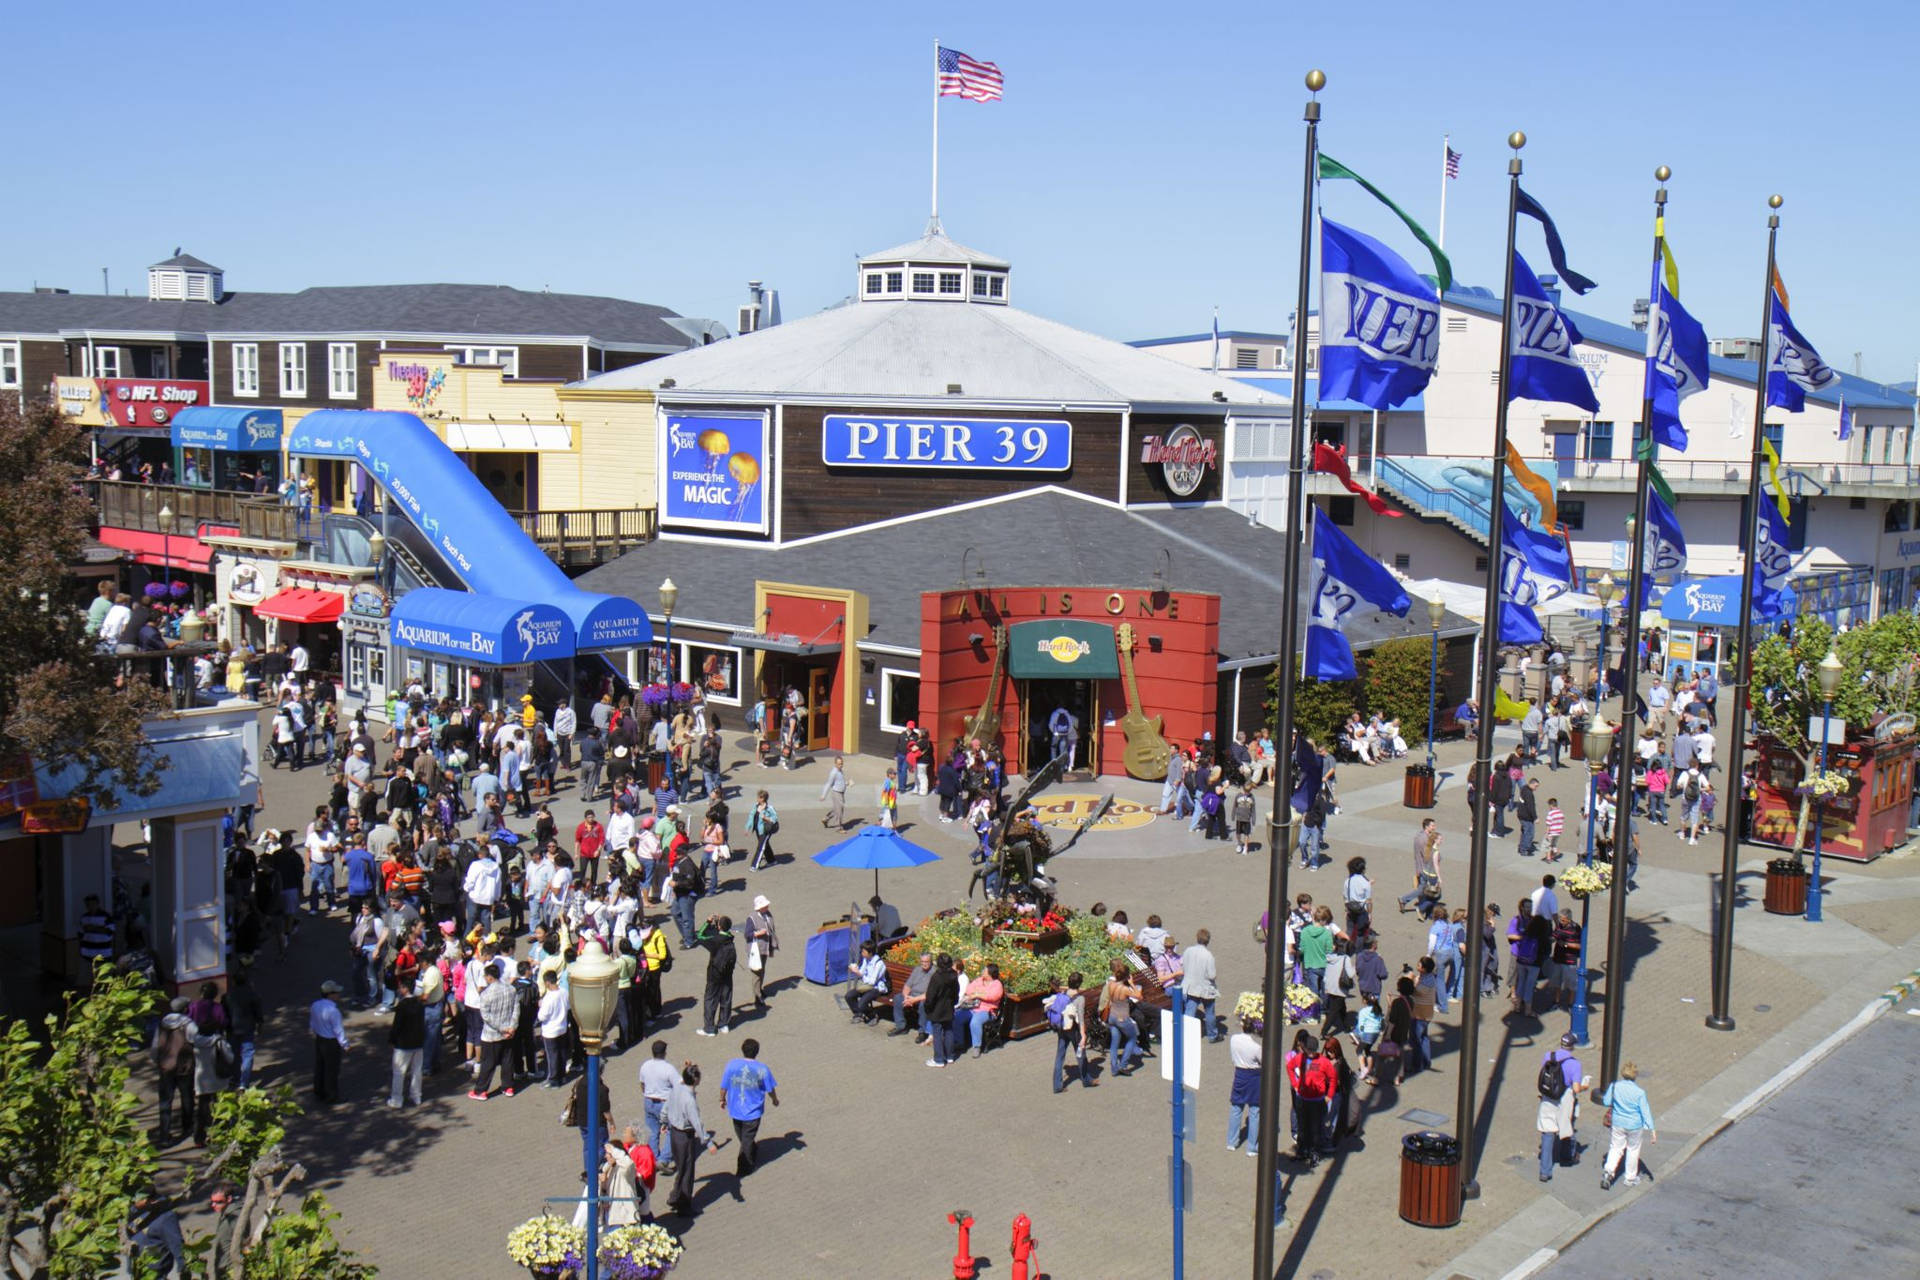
[[952, 444]]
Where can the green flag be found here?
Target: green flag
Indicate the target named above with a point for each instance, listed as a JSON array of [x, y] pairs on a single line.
[[1660, 486], [1442, 269]]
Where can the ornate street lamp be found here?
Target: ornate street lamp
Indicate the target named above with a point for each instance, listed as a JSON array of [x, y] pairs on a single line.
[[593, 989], [1599, 747]]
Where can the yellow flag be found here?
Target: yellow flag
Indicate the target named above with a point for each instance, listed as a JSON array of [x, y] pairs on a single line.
[[1505, 708], [1666, 257], [1773, 474], [1531, 481]]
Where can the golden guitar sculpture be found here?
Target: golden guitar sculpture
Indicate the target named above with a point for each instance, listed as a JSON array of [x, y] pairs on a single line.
[[985, 725], [1147, 752]]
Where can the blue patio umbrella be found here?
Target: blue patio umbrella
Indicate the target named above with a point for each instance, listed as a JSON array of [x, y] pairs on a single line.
[[874, 849]]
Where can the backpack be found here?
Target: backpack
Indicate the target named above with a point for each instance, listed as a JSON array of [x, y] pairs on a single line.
[[1057, 1010], [1693, 788], [171, 1053], [1553, 1078]]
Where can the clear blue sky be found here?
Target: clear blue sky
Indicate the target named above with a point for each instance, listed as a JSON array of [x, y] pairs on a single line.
[[1143, 167]]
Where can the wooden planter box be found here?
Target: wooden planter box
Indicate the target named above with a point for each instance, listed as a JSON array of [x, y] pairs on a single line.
[[1040, 944]]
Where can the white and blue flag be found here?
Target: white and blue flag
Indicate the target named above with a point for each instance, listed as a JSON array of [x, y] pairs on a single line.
[[1665, 545], [1344, 578], [1794, 368], [1676, 364], [1772, 561], [1535, 567], [1379, 321], [1543, 366]]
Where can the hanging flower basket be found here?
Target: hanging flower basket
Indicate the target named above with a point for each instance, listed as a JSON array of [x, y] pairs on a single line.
[[642, 1252], [1302, 1004], [1251, 1008], [548, 1246], [1586, 879]]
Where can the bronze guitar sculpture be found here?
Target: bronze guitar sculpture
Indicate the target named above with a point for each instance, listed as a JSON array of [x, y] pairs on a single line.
[[1147, 753]]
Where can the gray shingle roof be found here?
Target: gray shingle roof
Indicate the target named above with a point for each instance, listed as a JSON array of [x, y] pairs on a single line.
[[479, 310], [186, 260], [1046, 537], [913, 350], [935, 246]]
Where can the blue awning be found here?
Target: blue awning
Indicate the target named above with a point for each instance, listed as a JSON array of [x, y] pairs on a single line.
[[202, 774], [605, 622], [489, 630], [228, 429]]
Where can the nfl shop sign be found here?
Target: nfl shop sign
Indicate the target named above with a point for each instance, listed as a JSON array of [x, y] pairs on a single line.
[[961, 444], [1184, 456], [129, 402]]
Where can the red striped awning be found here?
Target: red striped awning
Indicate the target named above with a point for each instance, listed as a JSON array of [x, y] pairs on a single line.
[[303, 604], [172, 551]]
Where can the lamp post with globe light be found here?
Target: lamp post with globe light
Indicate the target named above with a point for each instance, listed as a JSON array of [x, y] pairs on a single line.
[[1599, 746], [1604, 591], [1828, 674], [592, 988]]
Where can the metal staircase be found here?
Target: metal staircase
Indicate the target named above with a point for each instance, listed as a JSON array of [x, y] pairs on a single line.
[[1467, 514]]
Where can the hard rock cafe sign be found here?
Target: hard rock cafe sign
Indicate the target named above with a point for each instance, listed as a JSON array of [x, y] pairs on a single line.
[[1183, 455]]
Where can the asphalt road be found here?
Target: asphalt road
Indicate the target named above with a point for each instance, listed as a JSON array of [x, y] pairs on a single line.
[[1818, 1182]]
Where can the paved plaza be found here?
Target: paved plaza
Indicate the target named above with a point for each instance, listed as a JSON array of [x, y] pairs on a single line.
[[871, 1149]]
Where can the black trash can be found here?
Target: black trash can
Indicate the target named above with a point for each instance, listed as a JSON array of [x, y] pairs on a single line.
[[1430, 1179]]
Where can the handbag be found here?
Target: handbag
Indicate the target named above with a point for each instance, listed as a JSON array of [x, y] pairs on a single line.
[[753, 956]]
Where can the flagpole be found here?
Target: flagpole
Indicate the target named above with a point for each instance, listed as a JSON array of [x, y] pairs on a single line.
[[1613, 1011], [1468, 1061], [1266, 1210], [1446, 149], [1721, 1019], [933, 221]]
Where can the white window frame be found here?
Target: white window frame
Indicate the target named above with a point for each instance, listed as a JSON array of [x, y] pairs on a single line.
[[958, 281], [343, 377], [293, 372], [876, 283], [102, 358], [896, 281], [508, 358], [246, 368], [933, 283], [887, 722], [10, 365]]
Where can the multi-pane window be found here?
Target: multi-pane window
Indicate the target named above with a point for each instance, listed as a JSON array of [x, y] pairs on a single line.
[[293, 368], [343, 375], [923, 282], [246, 368], [950, 283], [507, 358], [9, 364]]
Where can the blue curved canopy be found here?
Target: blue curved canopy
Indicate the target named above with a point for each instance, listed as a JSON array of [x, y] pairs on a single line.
[[491, 630], [442, 497], [232, 430]]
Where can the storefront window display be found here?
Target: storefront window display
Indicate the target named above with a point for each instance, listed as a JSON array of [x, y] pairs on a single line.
[[716, 670]]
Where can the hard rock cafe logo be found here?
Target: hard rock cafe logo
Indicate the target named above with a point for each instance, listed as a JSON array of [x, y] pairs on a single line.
[[1065, 648], [1184, 456], [1069, 809]]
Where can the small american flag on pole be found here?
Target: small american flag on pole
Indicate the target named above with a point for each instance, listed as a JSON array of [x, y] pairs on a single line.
[[963, 77], [1453, 163]]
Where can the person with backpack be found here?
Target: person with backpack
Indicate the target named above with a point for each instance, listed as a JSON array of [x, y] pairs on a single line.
[[684, 881], [173, 1060], [1067, 1015], [1313, 832], [1560, 1082]]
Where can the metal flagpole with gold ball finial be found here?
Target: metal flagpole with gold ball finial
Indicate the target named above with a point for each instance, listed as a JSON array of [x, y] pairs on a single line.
[[1466, 1100], [1266, 1213], [1613, 1011], [1720, 1018]]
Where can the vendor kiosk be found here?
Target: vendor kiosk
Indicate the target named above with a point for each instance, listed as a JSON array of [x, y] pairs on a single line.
[[1703, 620]]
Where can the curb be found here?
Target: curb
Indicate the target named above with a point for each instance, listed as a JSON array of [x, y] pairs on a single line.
[[1873, 1009]]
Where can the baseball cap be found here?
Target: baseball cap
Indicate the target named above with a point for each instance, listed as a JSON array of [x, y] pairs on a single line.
[[1569, 1041]]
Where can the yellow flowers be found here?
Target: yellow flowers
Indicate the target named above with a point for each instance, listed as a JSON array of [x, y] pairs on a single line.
[[545, 1241]]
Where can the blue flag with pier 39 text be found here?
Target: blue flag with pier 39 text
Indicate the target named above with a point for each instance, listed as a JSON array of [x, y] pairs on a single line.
[[1379, 321], [1676, 364], [1534, 568], [1344, 578], [1666, 545], [1543, 366], [1794, 367]]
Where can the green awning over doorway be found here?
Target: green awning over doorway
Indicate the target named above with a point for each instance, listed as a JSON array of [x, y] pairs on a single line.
[[1062, 649]]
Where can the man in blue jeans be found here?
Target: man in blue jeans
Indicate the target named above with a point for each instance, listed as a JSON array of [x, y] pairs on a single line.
[[1071, 1035], [657, 1078], [1200, 982]]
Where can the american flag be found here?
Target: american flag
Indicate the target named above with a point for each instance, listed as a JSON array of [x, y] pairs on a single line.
[[1453, 163], [961, 76]]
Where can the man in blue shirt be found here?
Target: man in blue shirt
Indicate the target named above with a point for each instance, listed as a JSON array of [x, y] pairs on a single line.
[[363, 878], [748, 1087]]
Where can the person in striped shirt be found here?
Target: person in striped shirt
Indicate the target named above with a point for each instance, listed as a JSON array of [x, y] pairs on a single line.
[[1556, 823]]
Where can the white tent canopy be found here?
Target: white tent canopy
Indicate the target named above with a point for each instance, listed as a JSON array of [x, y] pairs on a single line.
[[1471, 601]]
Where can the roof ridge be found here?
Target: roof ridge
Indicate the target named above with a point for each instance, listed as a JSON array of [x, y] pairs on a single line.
[[999, 316]]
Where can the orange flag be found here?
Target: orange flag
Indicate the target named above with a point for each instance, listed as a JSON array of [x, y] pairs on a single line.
[[1533, 483]]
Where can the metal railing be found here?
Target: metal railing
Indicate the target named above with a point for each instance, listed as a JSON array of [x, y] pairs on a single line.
[[1680, 470], [591, 536], [125, 504], [1449, 502]]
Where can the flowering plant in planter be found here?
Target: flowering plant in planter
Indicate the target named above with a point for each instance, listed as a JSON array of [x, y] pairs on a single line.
[[547, 1245], [1251, 1007], [657, 696], [1584, 879], [1302, 1004], [641, 1252], [1824, 786]]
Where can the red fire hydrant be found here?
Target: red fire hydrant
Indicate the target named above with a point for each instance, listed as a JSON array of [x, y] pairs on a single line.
[[963, 1251], [1023, 1246]]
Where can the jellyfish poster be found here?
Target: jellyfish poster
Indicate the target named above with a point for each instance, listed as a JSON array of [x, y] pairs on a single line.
[[712, 473]]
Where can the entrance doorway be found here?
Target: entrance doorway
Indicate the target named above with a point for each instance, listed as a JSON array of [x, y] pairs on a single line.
[[1039, 699], [788, 679], [819, 707]]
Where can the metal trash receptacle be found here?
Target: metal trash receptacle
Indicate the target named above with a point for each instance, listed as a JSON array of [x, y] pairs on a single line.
[[1430, 1179]]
